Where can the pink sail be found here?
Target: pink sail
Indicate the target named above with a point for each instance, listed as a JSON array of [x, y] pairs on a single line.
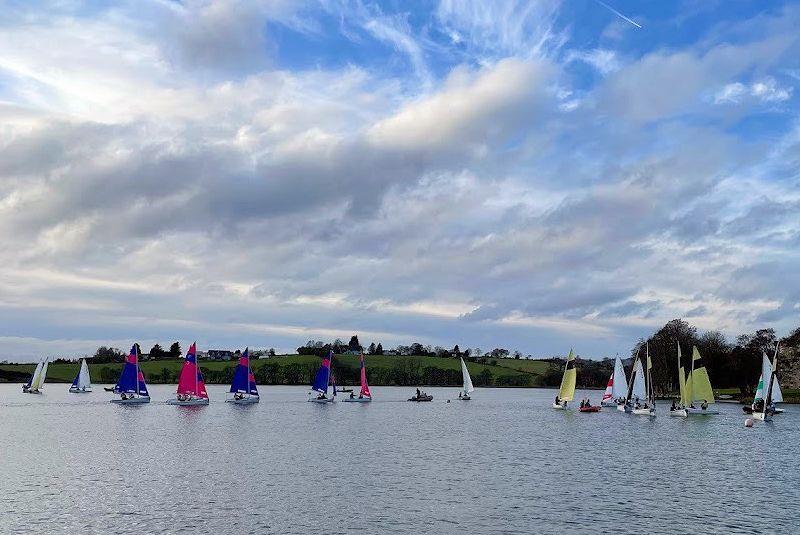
[[190, 381], [364, 386]]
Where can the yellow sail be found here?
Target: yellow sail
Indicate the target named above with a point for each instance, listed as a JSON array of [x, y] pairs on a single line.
[[567, 391], [682, 386], [700, 383]]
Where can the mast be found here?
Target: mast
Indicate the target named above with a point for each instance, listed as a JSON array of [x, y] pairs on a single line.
[[137, 371], [633, 371], [768, 393]]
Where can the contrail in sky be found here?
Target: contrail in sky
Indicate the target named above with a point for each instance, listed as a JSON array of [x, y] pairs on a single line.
[[617, 13]]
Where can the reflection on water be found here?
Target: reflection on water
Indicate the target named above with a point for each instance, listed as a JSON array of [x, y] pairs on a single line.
[[504, 462]]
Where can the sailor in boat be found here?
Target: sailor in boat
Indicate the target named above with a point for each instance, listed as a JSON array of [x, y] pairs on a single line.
[[124, 395], [636, 404], [322, 396], [459, 395], [238, 395], [353, 395], [704, 405], [558, 401], [418, 392], [360, 396]]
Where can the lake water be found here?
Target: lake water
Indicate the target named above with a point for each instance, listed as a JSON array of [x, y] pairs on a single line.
[[504, 462]]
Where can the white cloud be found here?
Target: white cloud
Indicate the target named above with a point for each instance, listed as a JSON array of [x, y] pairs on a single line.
[[764, 90]]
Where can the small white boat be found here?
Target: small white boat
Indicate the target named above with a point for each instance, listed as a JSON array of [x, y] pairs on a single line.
[[701, 411], [641, 387], [567, 390], [357, 400], [467, 388], [243, 389], [621, 407], [648, 411], [768, 370], [131, 386], [678, 412], [617, 387], [82, 383], [34, 385], [698, 388]]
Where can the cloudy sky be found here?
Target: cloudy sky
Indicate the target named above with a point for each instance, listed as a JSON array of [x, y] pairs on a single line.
[[531, 175]]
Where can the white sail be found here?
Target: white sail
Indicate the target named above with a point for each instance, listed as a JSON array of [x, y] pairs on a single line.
[[467, 379], [620, 387], [639, 388], [38, 380], [84, 381], [766, 365]]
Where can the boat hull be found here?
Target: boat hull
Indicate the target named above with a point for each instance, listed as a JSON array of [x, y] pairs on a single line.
[[244, 401], [589, 409], [357, 400], [644, 412], [188, 402], [621, 408], [608, 404], [761, 417], [131, 401], [421, 399], [701, 412], [678, 412], [79, 391], [560, 407], [315, 400]]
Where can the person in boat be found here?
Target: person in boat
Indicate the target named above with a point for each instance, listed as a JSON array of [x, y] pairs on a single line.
[[238, 395], [417, 392], [124, 396], [674, 407], [704, 405], [360, 396], [588, 403], [352, 395], [322, 396], [558, 401]]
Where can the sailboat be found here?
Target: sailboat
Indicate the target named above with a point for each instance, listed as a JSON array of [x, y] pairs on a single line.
[[82, 383], [243, 386], [131, 386], [467, 389], [768, 372], [36, 381], [758, 399], [698, 387], [617, 386], [642, 390], [364, 396], [567, 390], [322, 381], [191, 389], [680, 409]]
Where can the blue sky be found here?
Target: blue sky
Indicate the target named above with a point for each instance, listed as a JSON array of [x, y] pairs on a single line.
[[531, 175]]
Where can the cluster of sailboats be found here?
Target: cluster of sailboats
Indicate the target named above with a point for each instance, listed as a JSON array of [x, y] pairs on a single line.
[[696, 395], [632, 395]]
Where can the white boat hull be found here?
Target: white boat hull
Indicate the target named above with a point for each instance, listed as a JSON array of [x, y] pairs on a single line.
[[678, 412], [644, 412], [608, 404], [188, 402], [702, 412], [131, 401], [621, 408], [357, 400], [762, 417], [244, 401], [32, 391], [559, 406]]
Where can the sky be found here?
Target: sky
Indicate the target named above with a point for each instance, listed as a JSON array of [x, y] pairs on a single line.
[[533, 175]]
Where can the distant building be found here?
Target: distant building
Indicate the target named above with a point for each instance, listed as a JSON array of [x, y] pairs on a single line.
[[220, 354], [144, 356]]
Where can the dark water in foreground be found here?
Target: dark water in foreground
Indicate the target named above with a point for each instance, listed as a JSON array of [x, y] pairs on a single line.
[[502, 463]]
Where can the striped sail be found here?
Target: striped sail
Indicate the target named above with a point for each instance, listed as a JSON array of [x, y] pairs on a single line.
[[699, 384], [568, 380]]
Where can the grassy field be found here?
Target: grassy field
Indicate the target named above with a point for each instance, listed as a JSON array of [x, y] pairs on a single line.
[[297, 369], [537, 367]]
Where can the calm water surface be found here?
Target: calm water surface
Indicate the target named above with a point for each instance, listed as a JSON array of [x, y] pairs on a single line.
[[502, 463]]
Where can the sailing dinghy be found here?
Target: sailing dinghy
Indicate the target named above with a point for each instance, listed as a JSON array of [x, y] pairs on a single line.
[[364, 396], [758, 399], [698, 387], [642, 385], [680, 408], [82, 383], [131, 386], [191, 386], [568, 380], [768, 373], [467, 389], [243, 386], [34, 384], [617, 386], [322, 382]]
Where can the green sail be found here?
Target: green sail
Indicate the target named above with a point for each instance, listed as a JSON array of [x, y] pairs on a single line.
[[700, 388]]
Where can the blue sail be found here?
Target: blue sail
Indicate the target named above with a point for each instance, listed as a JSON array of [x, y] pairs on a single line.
[[323, 374], [75, 381], [241, 379], [129, 379]]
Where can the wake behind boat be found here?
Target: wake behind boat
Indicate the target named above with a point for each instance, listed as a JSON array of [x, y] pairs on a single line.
[[82, 383], [364, 396], [131, 386], [191, 386], [243, 387]]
